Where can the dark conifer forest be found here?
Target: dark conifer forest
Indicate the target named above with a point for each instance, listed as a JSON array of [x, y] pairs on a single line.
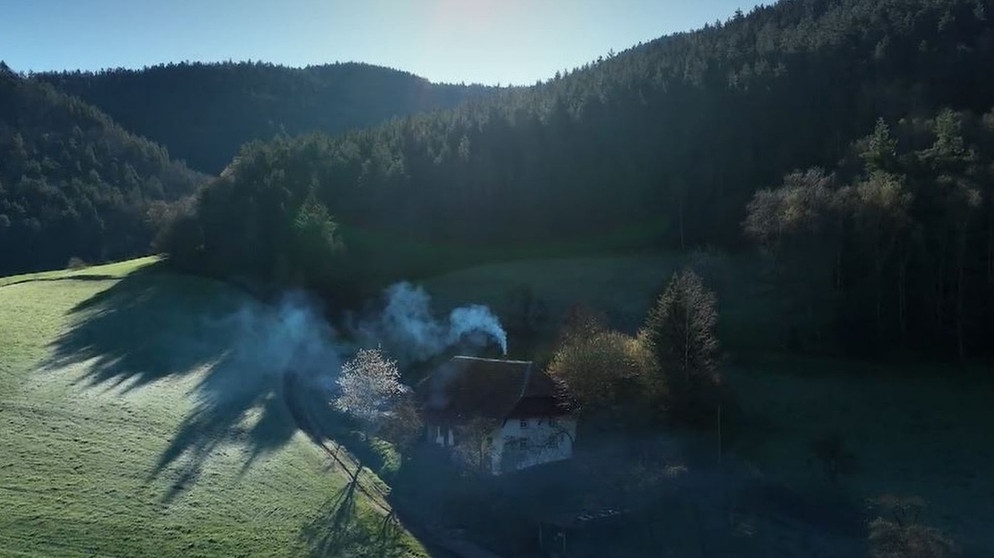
[[695, 139], [204, 112], [74, 184], [848, 141]]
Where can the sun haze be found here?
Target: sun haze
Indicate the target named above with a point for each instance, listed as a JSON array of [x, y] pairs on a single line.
[[474, 41]]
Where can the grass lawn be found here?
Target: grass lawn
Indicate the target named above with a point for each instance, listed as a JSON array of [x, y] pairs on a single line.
[[623, 288], [132, 425], [385, 254], [109, 271], [915, 430]]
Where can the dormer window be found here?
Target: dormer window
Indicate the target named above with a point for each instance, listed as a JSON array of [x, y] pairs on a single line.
[[524, 423]]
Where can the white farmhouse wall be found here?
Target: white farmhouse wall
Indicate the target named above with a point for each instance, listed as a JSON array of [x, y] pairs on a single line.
[[519, 443], [523, 443]]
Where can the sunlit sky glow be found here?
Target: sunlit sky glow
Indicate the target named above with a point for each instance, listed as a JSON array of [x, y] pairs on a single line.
[[473, 41]]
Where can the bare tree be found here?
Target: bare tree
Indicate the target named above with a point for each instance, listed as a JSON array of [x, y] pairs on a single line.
[[475, 440]]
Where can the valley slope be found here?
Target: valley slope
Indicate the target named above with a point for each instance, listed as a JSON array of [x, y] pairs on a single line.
[[132, 427]]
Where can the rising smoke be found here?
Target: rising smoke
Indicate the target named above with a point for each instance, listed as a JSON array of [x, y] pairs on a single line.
[[290, 336], [294, 336], [260, 360], [410, 331]]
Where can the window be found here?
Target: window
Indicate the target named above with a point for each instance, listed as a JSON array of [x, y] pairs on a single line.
[[524, 423], [552, 422], [523, 444]]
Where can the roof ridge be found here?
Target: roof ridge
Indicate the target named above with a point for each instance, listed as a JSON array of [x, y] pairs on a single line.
[[502, 360]]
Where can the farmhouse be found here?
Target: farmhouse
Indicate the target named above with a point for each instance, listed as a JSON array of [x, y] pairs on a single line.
[[496, 415]]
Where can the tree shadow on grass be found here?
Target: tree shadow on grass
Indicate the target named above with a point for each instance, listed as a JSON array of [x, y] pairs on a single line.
[[153, 327], [144, 328], [342, 529], [227, 403]]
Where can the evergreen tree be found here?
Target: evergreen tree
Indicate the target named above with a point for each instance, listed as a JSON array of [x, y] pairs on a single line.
[[680, 331], [75, 185]]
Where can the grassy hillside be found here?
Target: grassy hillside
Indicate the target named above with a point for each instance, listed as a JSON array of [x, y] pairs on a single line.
[[134, 425], [912, 430]]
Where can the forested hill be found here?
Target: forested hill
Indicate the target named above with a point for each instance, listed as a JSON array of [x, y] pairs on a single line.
[[669, 141], [684, 128], [204, 112], [75, 184]]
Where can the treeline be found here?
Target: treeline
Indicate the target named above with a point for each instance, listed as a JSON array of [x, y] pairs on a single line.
[[204, 112], [683, 129], [679, 132], [75, 184], [261, 221], [895, 248]]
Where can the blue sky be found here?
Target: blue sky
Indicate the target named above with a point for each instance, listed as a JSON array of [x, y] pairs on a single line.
[[473, 41]]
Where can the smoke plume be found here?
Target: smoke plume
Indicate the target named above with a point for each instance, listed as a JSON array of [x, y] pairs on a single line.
[[293, 336], [470, 320], [412, 334], [289, 336]]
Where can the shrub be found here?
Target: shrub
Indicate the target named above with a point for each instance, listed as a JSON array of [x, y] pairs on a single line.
[[901, 535], [889, 539], [603, 369], [387, 458]]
